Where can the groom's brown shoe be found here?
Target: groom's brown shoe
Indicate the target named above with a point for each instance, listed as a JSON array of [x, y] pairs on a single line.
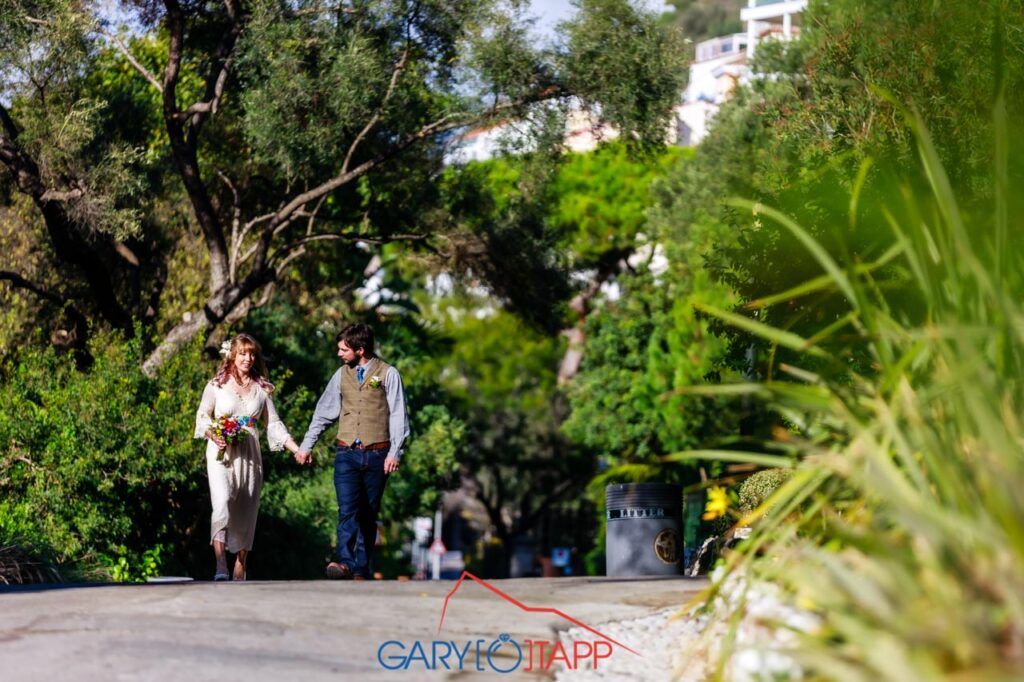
[[336, 571]]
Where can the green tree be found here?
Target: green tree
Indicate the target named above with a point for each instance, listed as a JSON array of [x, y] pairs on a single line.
[[548, 237], [100, 465], [703, 19], [501, 379], [798, 141], [292, 128]]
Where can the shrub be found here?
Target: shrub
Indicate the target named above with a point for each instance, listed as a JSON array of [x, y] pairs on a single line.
[[99, 465], [23, 564], [760, 486]]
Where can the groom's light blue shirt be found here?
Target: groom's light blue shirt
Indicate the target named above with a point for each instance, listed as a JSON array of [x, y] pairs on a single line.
[[328, 409]]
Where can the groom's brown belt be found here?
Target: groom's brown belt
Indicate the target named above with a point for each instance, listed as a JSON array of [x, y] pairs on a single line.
[[383, 445]]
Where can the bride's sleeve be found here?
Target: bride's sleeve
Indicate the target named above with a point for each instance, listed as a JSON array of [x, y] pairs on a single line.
[[277, 432], [204, 415]]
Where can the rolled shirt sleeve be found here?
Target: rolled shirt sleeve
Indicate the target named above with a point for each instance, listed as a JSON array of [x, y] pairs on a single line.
[[328, 409], [398, 415]]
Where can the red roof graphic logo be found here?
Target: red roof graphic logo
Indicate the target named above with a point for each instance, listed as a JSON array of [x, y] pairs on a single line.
[[525, 607]]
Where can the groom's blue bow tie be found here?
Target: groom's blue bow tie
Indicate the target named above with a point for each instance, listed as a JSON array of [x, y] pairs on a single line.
[[359, 373]]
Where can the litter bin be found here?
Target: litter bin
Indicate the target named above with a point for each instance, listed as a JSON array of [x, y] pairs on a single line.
[[642, 535]]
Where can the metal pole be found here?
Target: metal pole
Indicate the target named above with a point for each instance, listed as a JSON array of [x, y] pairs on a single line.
[[435, 558]]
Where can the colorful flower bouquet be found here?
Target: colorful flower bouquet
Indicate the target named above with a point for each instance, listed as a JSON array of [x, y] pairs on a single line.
[[231, 430]]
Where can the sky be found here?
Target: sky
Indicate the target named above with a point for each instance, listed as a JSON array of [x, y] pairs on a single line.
[[548, 12]]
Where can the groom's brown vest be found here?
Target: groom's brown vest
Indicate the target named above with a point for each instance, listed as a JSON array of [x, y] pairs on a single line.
[[364, 409]]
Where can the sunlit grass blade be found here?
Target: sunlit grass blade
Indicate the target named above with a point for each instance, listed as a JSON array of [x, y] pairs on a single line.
[[730, 456], [858, 187], [1001, 185], [777, 336], [820, 254], [822, 283]]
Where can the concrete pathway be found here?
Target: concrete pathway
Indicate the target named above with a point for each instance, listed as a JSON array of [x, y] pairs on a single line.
[[315, 630]]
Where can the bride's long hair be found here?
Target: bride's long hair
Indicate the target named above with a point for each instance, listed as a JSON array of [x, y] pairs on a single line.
[[258, 370]]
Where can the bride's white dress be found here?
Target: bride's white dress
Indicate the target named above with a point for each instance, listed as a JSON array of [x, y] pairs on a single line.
[[235, 483]]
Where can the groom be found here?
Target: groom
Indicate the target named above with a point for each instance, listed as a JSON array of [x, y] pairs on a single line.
[[367, 399]]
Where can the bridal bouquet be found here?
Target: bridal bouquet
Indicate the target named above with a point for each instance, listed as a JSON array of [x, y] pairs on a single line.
[[231, 430]]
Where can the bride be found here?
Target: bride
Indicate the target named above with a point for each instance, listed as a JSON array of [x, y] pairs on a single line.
[[240, 389]]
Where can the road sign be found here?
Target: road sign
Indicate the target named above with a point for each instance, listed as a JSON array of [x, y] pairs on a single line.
[[437, 547], [422, 527]]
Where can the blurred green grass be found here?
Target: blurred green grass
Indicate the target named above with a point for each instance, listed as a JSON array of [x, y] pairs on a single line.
[[902, 525]]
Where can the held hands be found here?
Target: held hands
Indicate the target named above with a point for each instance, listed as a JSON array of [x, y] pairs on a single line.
[[219, 442], [304, 457]]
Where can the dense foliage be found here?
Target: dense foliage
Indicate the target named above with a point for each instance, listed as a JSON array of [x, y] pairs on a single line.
[[827, 288], [861, 196], [100, 467], [272, 141], [901, 507]]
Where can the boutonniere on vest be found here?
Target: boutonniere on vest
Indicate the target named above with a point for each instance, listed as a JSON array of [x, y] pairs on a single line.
[[374, 381]]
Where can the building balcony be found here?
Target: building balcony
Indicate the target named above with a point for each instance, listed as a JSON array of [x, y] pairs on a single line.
[[714, 48], [771, 10]]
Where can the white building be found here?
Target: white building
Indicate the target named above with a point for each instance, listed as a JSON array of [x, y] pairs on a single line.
[[478, 144], [721, 63], [583, 132], [770, 18], [718, 65]]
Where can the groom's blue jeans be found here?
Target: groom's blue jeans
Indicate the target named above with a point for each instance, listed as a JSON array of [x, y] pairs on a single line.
[[359, 480]]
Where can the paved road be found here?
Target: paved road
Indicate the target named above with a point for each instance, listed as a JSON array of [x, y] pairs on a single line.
[[316, 630]]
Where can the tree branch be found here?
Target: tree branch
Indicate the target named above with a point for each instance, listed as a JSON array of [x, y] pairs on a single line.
[[303, 214], [68, 243], [220, 64], [236, 219], [20, 282], [10, 128], [123, 49], [297, 253], [354, 237], [56, 195], [445, 123], [219, 306], [399, 66], [184, 152]]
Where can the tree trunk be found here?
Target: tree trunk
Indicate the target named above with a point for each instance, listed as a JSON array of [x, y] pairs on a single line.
[[180, 336], [220, 307], [580, 304], [70, 245]]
